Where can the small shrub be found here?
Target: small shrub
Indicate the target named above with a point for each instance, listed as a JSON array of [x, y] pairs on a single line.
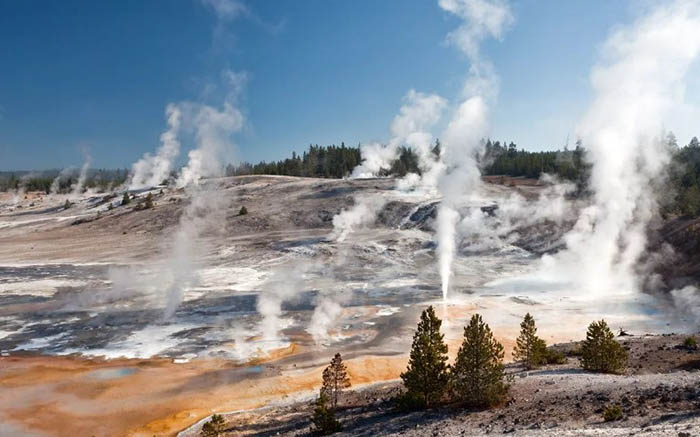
[[243, 211], [126, 199], [67, 204], [409, 401], [149, 201], [110, 207], [600, 352], [551, 356], [214, 427], [612, 412], [323, 420], [690, 344]]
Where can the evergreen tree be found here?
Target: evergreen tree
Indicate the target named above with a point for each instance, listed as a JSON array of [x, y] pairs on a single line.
[[323, 420], [600, 352], [427, 376], [149, 201], [126, 199], [529, 349], [335, 379], [478, 376], [214, 427]]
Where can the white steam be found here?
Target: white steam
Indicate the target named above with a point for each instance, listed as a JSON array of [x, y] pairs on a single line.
[[469, 124], [325, 316], [637, 83], [363, 213], [282, 286], [411, 128], [152, 170], [212, 129], [77, 188]]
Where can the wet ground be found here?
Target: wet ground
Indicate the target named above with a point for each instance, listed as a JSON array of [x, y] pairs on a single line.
[[267, 294]]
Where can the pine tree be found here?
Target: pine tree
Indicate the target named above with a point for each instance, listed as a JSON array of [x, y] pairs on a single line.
[[600, 352], [335, 379], [478, 376], [126, 199], [214, 427], [323, 419], [427, 376], [529, 348]]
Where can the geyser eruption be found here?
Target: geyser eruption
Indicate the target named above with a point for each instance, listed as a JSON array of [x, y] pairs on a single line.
[[77, 189], [469, 124], [637, 83], [212, 128], [152, 170]]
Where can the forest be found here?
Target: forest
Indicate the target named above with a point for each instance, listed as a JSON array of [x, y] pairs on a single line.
[[680, 191]]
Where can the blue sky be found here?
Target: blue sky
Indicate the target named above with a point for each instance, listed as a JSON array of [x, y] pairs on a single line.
[[97, 75]]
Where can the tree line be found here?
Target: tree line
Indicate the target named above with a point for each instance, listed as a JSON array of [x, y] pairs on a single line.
[[102, 179], [680, 191], [319, 162]]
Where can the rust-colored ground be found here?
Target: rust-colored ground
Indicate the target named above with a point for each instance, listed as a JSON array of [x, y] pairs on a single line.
[[59, 396]]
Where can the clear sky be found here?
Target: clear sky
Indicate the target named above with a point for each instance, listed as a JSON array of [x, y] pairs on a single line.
[[97, 75]]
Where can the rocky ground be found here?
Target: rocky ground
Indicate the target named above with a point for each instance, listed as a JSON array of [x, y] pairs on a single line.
[[659, 395]]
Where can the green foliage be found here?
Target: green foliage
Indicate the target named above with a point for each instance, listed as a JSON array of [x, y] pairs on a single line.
[[67, 204], [529, 348], [684, 180], [407, 162], [101, 179], [243, 211], [612, 412], [478, 377], [551, 356], [126, 199], [213, 427], [427, 376], [324, 162], [690, 343], [335, 379], [600, 352], [149, 201], [323, 420], [110, 206], [500, 159]]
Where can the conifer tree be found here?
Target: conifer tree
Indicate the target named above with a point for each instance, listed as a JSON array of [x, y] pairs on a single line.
[[427, 376], [529, 349], [126, 199], [323, 419], [214, 427], [149, 201], [600, 352], [478, 376], [335, 379]]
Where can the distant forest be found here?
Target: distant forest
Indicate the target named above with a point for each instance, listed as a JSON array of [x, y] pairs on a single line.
[[102, 179], [318, 162], [498, 158]]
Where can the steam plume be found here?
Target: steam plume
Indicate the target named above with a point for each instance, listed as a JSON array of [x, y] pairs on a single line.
[[637, 83], [77, 189], [462, 137], [361, 214], [152, 170], [410, 127]]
